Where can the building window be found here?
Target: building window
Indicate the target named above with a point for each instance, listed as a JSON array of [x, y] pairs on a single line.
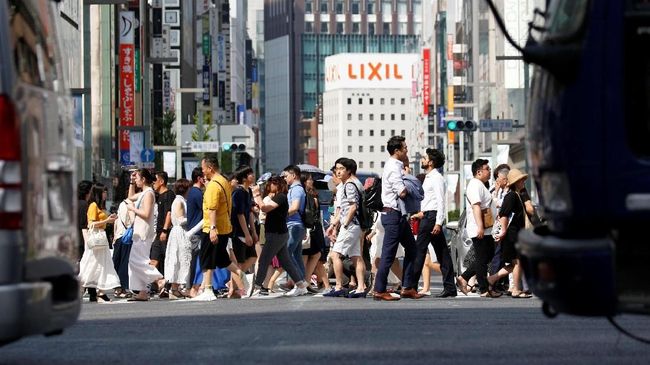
[[349, 132], [349, 116], [372, 164], [371, 28], [309, 6], [401, 7], [360, 148], [339, 6], [349, 149], [372, 148], [372, 133], [381, 101], [386, 28], [360, 116], [323, 6], [309, 27], [392, 101], [372, 117], [360, 101], [392, 132], [403, 101], [355, 28], [371, 101], [355, 6], [324, 27], [382, 149], [370, 6], [403, 116], [386, 6], [339, 28], [349, 101], [382, 117], [360, 164], [403, 133], [360, 132], [383, 133], [392, 117], [382, 164]]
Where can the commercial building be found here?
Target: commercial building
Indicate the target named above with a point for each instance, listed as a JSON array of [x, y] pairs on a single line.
[[369, 98]]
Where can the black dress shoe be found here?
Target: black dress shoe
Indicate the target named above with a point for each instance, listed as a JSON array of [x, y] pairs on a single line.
[[446, 294]]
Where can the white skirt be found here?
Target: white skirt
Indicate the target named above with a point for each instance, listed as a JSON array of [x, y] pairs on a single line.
[[178, 256], [96, 269], [140, 272]]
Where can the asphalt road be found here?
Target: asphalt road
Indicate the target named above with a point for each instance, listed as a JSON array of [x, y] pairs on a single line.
[[333, 331]]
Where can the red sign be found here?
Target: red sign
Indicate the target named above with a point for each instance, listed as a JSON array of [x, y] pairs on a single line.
[[127, 77], [426, 56]]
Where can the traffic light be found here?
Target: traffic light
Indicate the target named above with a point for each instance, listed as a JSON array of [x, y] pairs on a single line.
[[233, 147], [461, 126]]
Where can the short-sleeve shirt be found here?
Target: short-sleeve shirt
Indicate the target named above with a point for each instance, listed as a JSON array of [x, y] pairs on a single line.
[[476, 192], [194, 206], [95, 214], [296, 192], [218, 198], [350, 198], [276, 220], [241, 204], [513, 205], [164, 201]]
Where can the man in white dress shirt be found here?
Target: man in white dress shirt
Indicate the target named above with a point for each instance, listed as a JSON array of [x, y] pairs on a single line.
[[396, 226], [432, 218]]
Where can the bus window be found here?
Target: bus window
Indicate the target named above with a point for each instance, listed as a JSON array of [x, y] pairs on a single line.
[[637, 77], [567, 17]]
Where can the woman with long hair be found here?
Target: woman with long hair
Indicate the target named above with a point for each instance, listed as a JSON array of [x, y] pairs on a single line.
[[142, 204], [311, 255], [179, 248], [96, 267], [122, 250]]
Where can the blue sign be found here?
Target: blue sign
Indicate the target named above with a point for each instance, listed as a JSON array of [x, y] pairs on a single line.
[[147, 155], [125, 157]]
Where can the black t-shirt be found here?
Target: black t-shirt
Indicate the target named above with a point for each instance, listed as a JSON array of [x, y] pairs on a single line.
[[241, 204], [164, 201], [513, 205], [82, 217], [276, 220]]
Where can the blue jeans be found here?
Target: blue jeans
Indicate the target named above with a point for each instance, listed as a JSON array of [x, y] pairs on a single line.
[[294, 244]]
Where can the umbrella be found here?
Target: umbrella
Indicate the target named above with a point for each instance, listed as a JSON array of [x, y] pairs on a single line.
[[310, 168]]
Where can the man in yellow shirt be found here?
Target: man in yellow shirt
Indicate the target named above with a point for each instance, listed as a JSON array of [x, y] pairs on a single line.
[[217, 205]]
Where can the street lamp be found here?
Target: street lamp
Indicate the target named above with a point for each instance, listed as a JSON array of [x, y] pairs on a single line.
[[179, 142]]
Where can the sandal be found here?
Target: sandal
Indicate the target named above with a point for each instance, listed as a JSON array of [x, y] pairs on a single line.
[[521, 294], [461, 284], [491, 294]]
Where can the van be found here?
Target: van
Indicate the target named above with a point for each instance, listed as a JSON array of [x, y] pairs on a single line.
[[39, 291]]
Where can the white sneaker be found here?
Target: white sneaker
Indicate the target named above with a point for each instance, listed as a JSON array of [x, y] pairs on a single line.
[[206, 296], [296, 291]]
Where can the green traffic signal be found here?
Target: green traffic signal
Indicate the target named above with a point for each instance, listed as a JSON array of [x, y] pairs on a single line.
[[451, 125]]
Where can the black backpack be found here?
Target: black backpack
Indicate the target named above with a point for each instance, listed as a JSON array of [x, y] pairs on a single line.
[[372, 196], [310, 215], [365, 215]]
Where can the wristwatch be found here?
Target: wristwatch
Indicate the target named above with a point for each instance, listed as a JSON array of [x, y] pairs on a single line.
[[213, 227]]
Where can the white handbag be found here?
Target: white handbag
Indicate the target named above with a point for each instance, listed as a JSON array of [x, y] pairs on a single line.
[[96, 238], [306, 242]]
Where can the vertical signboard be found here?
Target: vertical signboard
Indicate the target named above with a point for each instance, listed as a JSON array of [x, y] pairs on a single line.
[[426, 60], [167, 101], [249, 74], [126, 82]]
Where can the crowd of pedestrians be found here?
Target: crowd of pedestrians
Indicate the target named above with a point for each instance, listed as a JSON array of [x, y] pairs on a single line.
[[234, 236]]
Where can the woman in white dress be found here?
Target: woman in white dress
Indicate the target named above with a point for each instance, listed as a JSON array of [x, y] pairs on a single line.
[[96, 267], [178, 256], [141, 273]]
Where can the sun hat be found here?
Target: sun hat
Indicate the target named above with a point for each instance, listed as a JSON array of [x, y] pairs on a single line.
[[515, 175]]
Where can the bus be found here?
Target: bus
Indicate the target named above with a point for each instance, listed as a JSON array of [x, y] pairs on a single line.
[[39, 290], [588, 126]]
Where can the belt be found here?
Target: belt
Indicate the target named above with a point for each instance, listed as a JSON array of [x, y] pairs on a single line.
[[389, 210]]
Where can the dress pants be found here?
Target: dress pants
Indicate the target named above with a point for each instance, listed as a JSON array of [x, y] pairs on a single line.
[[397, 230], [425, 237]]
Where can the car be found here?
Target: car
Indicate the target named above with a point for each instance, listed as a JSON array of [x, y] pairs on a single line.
[[39, 290]]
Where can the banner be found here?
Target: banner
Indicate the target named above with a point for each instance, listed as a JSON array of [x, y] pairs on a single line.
[[426, 57], [126, 82]]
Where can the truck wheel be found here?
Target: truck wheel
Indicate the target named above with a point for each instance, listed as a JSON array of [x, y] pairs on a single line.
[[548, 310]]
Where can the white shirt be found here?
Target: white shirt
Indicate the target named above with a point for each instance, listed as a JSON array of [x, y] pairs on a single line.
[[476, 192], [392, 183], [434, 195]]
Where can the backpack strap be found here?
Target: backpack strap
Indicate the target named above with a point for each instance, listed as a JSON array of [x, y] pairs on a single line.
[[225, 196]]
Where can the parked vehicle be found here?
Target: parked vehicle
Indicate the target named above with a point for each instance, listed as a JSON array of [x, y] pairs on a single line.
[[39, 291], [587, 132]]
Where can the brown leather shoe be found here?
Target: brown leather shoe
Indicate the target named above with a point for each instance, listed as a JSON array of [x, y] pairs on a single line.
[[384, 296], [411, 293]]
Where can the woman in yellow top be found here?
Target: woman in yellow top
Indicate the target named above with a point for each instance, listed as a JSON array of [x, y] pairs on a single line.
[[96, 267]]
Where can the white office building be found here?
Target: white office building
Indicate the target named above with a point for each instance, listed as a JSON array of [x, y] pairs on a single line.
[[369, 98]]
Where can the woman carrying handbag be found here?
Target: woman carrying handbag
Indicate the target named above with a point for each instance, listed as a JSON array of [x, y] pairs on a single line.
[[96, 267]]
